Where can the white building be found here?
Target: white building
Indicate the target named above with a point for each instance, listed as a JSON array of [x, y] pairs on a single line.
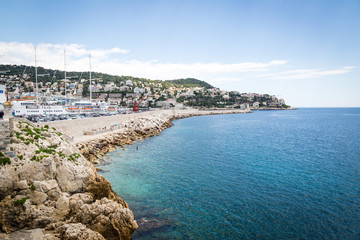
[[129, 83], [2, 94], [198, 89], [139, 90], [163, 104]]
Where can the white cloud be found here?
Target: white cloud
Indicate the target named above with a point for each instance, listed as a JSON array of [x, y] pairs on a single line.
[[307, 73], [349, 67], [52, 55], [109, 61], [49, 55]]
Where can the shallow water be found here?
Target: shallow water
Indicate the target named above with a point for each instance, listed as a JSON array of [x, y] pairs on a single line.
[[265, 175]]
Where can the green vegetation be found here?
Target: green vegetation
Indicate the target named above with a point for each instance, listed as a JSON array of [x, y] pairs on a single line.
[[32, 186], [37, 130], [285, 106], [20, 201], [73, 157], [4, 160], [105, 78], [62, 155], [38, 158], [189, 82], [209, 99], [32, 136], [45, 150]]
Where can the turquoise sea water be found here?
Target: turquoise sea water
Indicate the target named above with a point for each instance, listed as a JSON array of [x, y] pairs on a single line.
[[265, 175]]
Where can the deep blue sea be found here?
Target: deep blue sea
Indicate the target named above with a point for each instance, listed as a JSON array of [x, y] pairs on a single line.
[[264, 175]]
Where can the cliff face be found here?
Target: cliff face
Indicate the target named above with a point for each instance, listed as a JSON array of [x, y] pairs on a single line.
[[50, 185]]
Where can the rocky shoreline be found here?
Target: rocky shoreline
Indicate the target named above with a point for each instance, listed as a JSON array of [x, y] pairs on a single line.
[[51, 189]]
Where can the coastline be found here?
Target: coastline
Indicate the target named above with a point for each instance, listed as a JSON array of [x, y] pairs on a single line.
[[51, 189], [270, 109]]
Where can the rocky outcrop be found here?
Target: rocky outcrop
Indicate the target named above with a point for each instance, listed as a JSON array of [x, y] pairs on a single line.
[[51, 186], [77, 231]]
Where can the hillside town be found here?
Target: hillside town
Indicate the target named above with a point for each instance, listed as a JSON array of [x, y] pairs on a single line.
[[125, 91]]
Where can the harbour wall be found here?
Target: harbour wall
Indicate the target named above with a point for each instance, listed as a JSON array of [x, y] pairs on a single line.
[[77, 128], [6, 127], [93, 147]]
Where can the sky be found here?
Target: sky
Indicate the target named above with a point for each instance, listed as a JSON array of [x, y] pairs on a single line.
[[305, 51]]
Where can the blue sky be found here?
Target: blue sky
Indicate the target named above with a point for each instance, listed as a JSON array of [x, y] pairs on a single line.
[[304, 51]]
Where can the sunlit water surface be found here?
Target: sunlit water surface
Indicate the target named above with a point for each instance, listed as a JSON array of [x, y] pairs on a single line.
[[265, 175]]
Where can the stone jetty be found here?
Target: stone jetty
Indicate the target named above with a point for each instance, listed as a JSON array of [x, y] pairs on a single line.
[[138, 127]]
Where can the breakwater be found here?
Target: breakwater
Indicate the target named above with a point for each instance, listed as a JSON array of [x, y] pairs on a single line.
[[77, 129], [140, 126]]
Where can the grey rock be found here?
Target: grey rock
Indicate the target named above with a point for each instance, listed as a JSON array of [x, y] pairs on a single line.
[[21, 185], [10, 153], [38, 197], [33, 234], [62, 206], [78, 231], [54, 194], [46, 185]]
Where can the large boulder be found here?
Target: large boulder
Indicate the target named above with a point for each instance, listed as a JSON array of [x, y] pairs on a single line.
[[106, 217], [77, 231]]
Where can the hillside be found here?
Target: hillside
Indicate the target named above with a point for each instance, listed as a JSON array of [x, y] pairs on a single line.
[[126, 90], [55, 75], [190, 82]]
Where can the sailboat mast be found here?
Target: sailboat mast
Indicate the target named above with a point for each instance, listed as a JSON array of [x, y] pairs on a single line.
[[65, 72], [90, 77], [36, 80]]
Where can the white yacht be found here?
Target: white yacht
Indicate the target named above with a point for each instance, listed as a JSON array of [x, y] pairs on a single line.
[[26, 108]]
